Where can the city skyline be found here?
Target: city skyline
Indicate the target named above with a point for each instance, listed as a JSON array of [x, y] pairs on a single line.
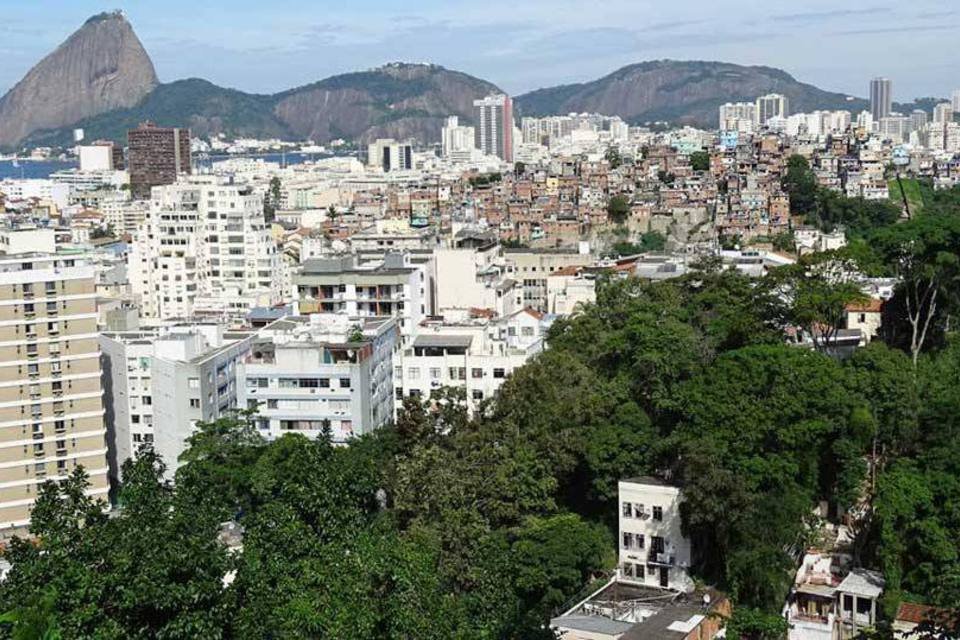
[[270, 48]]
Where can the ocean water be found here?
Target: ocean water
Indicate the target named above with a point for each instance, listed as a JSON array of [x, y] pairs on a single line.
[[43, 168], [32, 168]]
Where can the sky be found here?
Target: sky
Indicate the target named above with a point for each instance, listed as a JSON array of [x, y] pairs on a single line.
[[266, 46]]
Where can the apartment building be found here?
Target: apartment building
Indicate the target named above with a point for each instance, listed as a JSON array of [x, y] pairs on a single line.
[[159, 383], [204, 248], [493, 133], [51, 410], [305, 374], [476, 354], [532, 267], [653, 550], [156, 156], [167, 254], [393, 286]]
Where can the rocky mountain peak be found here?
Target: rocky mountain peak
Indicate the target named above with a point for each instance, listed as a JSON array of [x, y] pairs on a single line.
[[101, 67]]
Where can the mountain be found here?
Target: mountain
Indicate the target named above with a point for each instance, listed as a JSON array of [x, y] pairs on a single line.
[[678, 91], [101, 67], [103, 81], [397, 100], [200, 105]]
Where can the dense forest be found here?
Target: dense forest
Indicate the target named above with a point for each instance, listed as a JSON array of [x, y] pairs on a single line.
[[447, 526]]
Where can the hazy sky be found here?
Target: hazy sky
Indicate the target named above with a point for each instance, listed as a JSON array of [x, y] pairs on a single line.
[[270, 45]]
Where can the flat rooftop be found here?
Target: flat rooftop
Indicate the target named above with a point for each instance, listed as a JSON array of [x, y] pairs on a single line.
[[635, 612]]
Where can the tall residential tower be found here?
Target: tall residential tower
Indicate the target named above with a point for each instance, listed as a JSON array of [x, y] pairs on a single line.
[[881, 98], [51, 407], [493, 119]]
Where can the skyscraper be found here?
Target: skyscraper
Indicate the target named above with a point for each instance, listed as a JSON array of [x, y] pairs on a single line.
[[955, 99], [156, 156], [881, 98], [772, 105], [51, 409], [493, 119]]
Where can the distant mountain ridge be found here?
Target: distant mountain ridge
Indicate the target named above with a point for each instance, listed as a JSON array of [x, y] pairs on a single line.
[[101, 79], [678, 91]]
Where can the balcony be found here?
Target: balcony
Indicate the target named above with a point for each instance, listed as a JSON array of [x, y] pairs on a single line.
[[662, 559]]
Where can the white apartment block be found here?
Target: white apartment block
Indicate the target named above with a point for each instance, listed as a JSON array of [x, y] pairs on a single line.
[[476, 355], [393, 286], [306, 374], [772, 105], [160, 383], [204, 248], [457, 142], [653, 550], [738, 116], [51, 409]]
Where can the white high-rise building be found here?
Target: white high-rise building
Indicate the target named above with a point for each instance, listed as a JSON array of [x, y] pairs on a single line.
[[204, 247], [738, 116], [493, 117], [943, 112], [456, 140], [955, 100], [772, 105], [159, 383], [895, 128], [305, 374], [881, 98]]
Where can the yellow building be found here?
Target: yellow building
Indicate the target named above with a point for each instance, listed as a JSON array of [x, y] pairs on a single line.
[[51, 406]]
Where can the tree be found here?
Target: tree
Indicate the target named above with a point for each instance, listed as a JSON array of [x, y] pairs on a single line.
[[87, 563], [801, 185], [700, 160], [754, 624], [618, 208], [924, 255], [613, 156], [754, 432], [820, 287], [519, 168], [271, 201]]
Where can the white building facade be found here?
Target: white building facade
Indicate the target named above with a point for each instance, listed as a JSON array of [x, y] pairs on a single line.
[[652, 548]]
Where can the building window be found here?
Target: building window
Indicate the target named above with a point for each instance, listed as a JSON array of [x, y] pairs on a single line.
[[194, 383], [344, 383], [627, 510], [477, 394], [499, 373], [476, 373], [194, 403], [627, 540], [658, 514], [413, 373], [435, 373]]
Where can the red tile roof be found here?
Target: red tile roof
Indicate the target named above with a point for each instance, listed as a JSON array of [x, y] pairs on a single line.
[[872, 306], [917, 613]]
